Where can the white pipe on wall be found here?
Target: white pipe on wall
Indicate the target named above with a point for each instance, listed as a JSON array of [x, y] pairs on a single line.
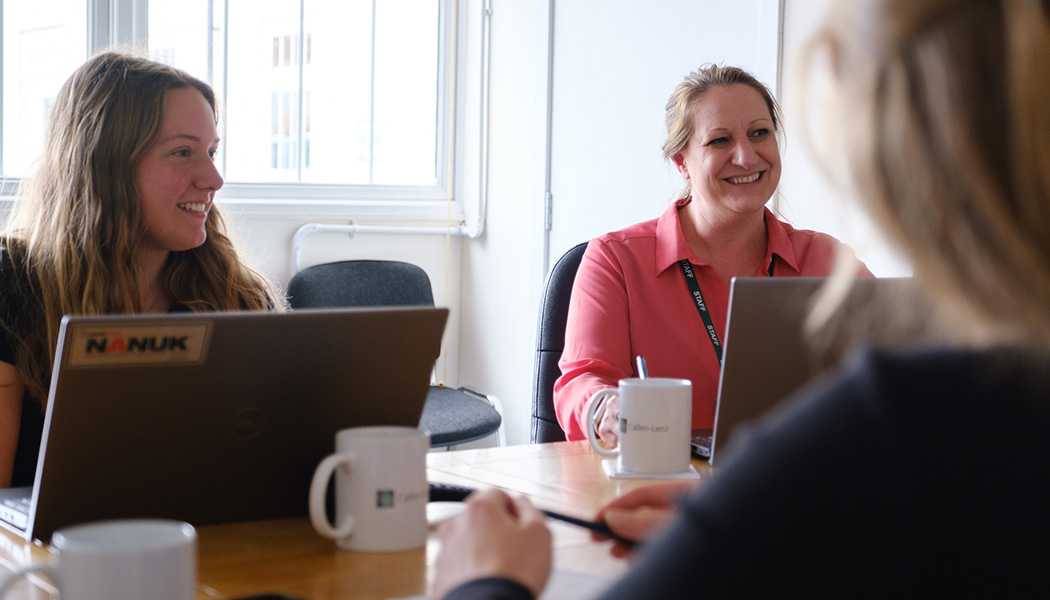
[[548, 198], [350, 229], [467, 229]]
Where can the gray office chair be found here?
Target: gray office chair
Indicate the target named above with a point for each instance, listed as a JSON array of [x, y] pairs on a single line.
[[550, 341], [452, 416]]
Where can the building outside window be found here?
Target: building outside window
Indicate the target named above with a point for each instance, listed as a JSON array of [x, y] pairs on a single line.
[[348, 93]]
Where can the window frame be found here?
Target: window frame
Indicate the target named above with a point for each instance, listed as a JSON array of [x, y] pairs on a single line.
[[124, 24]]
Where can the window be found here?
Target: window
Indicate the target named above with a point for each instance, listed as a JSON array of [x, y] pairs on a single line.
[[43, 42], [348, 93], [318, 99]]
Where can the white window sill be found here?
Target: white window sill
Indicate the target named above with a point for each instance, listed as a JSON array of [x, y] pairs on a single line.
[[299, 209], [438, 212]]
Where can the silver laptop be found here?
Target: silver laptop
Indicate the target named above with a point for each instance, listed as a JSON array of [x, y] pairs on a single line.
[[215, 417], [767, 354]]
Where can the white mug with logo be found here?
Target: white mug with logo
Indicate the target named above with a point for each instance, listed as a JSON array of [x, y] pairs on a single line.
[[121, 560], [654, 426], [380, 489]]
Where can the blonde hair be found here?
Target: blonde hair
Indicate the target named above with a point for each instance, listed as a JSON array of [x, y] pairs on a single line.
[[77, 222], [948, 143], [678, 113]]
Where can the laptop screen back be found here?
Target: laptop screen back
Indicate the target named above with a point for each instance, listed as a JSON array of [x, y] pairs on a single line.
[[219, 417], [768, 354]]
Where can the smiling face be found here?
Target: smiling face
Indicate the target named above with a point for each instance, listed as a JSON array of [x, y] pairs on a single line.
[[732, 160], [176, 179]]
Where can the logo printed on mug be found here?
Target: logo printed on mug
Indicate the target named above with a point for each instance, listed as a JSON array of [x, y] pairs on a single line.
[[380, 489], [654, 418], [384, 498]]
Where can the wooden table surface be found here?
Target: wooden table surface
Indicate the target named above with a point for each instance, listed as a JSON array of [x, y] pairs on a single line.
[[286, 556]]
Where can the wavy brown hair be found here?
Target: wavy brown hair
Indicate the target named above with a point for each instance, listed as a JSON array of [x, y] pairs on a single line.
[[946, 132], [77, 222]]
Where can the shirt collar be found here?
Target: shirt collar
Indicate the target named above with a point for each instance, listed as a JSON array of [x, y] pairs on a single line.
[[670, 241], [671, 246], [778, 241]]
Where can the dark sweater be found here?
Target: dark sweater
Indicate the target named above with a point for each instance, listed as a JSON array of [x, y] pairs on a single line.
[[919, 474]]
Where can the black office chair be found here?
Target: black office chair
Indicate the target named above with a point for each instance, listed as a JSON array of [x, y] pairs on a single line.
[[452, 415], [550, 341]]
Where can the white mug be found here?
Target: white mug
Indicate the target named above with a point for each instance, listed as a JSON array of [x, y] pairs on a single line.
[[121, 560], [380, 489], [654, 425]]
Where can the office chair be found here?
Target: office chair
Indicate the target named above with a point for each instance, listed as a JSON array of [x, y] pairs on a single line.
[[550, 341], [453, 416]]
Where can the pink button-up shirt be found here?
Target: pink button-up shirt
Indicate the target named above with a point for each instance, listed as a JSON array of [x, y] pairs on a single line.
[[630, 298]]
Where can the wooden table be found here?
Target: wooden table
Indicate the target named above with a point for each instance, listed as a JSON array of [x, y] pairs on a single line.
[[286, 556]]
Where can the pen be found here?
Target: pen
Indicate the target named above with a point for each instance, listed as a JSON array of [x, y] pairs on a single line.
[[599, 528], [643, 371], [450, 492]]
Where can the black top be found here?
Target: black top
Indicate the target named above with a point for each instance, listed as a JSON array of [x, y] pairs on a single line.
[[913, 474], [20, 317], [19, 314]]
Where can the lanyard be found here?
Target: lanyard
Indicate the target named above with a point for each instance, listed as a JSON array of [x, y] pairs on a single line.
[[701, 306]]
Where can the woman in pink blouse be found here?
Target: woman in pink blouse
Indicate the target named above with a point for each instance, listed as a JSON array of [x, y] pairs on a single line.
[[631, 295]]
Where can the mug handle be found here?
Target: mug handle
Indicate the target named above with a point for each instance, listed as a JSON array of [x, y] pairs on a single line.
[[592, 404], [318, 487], [47, 569]]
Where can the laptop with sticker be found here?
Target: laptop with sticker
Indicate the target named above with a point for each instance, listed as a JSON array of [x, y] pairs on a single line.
[[214, 417], [767, 354]]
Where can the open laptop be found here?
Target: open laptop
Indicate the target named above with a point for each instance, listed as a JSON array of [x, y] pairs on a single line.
[[767, 355], [215, 417]]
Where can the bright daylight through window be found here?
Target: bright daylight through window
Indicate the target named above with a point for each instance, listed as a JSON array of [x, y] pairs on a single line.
[[345, 93], [43, 42]]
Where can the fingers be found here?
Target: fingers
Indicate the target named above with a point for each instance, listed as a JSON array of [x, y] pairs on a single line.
[[651, 499], [608, 436], [495, 504], [608, 427], [637, 524], [496, 536], [661, 495], [527, 512], [492, 502]]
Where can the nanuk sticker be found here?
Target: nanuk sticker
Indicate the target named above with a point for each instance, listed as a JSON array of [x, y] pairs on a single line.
[[138, 345]]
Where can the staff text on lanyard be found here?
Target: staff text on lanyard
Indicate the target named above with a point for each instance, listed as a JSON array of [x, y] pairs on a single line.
[[701, 306]]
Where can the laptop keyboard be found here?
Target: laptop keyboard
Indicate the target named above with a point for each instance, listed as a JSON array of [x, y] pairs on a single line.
[[700, 443], [15, 511]]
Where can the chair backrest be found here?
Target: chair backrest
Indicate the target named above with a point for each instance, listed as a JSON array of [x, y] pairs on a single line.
[[360, 283], [550, 341]]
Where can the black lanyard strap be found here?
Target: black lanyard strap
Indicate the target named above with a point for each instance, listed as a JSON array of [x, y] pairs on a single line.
[[701, 306]]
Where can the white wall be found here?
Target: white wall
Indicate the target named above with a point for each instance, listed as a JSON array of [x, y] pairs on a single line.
[[615, 63], [502, 274], [614, 68]]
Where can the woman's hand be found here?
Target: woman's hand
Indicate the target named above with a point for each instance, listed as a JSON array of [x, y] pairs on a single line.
[[496, 536], [608, 419], [639, 513]]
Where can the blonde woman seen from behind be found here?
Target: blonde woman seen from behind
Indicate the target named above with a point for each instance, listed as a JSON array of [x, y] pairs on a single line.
[[915, 472], [118, 218]]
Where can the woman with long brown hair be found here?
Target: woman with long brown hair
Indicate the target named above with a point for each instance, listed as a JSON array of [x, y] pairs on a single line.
[[118, 218], [917, 472]]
